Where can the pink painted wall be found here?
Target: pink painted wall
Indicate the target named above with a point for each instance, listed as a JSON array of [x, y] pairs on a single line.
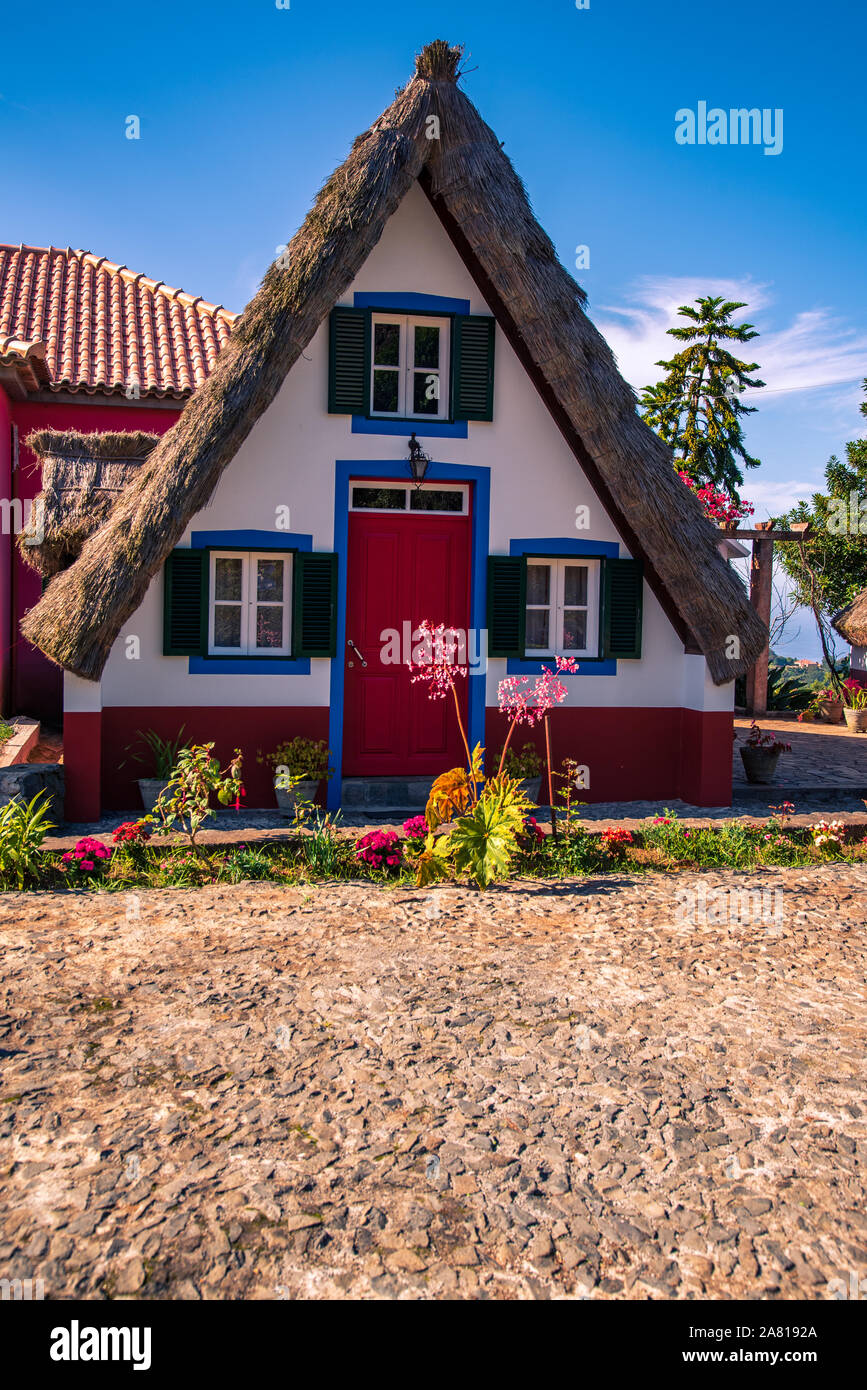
[[6, 542], [36, 684]]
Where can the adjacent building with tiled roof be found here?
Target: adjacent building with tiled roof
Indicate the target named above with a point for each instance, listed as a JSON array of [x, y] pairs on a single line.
[[74, 322], [89, 346]]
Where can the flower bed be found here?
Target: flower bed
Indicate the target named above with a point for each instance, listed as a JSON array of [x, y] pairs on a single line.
[[321, 854]]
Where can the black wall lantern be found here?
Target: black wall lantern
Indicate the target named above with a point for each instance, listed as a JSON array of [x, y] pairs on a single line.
[[418, 461]]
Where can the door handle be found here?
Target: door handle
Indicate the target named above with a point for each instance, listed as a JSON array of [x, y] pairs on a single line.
[[352, 647]]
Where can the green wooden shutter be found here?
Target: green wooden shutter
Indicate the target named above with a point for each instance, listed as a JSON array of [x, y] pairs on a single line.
[[622, 596], [473, 374], [185, 622], [507, 600], [348, 362], [314, 617]]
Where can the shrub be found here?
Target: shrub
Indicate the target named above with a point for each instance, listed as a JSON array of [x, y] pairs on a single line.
[[415, 828], [523, 763], [380, 849], [89, 857], [6, 732], [23, 827], [301, 758], [185, 801], [160, 753]]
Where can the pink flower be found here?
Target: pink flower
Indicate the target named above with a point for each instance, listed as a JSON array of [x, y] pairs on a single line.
[[415, 828], [530, 707], [438, 649]]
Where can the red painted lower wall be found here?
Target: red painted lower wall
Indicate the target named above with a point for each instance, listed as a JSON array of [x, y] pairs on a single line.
[[632, 754], [636, 754], [251, 730], [82, 745]]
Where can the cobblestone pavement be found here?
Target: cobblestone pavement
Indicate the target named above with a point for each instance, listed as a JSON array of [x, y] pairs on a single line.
[[545, 1090], [823, 755]]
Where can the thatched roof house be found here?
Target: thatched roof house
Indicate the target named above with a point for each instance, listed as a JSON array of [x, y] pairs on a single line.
[[483, 206], [851, 621], [83, 475]]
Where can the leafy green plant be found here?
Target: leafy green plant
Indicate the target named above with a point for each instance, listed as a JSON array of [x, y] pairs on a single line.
[[23, 827], [320, 850], [522, 763], [301, 758], [483, 842], [160, 753], [184, 803], [6, 732]]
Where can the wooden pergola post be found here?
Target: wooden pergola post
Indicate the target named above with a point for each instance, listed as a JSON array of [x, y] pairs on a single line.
[[761, 594]]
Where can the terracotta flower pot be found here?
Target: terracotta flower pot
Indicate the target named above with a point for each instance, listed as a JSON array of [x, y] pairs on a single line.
[[856, 720], [760, 764], [830, 711]]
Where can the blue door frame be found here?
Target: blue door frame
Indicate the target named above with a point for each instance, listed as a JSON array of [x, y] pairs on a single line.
[[398, 470]]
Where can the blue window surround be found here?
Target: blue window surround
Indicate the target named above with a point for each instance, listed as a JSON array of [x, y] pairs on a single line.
[[436, 472], [587, 665], [249, 665], [411, 304]]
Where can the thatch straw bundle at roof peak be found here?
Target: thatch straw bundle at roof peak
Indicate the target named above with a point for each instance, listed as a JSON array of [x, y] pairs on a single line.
[[483, 206], [439, 61]]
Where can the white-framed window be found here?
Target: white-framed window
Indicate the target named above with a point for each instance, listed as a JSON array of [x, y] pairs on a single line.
[[562, 607], [249, 607], [447, 499], [409, 366]]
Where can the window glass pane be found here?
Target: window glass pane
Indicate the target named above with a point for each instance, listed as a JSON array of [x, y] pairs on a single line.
[[386, 344], [227, 579], [576, 586], [426, 393], [385, 391], [539, 584], [227, 625], [574, 630], [392, 499], [269, 626], [427, 346], [435, 500], [269, 580], [537, 629]]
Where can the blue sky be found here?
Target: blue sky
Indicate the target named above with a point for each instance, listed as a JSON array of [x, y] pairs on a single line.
[[245, 108]]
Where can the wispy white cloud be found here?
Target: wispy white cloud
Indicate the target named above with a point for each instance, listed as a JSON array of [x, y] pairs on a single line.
[[817, 350]]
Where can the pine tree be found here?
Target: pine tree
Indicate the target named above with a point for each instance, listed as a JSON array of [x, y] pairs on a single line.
[[696, 408]]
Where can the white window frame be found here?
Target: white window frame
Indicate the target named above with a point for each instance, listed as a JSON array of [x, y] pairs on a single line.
[[249, 604], [406, 369], [407, 489], [557, 605]]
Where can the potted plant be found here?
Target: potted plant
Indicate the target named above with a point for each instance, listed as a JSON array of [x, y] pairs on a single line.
[[162, 755], [299, 764], [827, 706], [855, 709], [525, 766], [760, 755]]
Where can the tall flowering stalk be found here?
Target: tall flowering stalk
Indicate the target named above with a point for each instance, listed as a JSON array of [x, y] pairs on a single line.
[[438, 664], [532, 706]]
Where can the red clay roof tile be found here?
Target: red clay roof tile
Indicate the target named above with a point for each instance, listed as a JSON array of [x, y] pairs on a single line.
[[86, 324]]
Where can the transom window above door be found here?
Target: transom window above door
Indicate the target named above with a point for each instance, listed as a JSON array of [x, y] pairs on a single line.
[[249, 607], [409, 371], [562, 615]]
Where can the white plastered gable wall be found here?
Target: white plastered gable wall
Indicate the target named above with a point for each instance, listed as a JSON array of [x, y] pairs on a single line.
[[288, 460]]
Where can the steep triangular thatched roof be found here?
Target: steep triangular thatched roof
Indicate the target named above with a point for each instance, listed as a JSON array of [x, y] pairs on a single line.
[[483, 206], [851, 621]]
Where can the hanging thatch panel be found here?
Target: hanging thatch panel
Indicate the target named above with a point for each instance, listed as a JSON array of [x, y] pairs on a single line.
[[83, 475]]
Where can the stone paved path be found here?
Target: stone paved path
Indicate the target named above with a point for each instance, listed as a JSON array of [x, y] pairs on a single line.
[[545, 1090], [823, 755]]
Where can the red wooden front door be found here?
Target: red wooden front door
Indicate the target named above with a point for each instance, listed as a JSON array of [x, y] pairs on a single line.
[[402, 569]]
